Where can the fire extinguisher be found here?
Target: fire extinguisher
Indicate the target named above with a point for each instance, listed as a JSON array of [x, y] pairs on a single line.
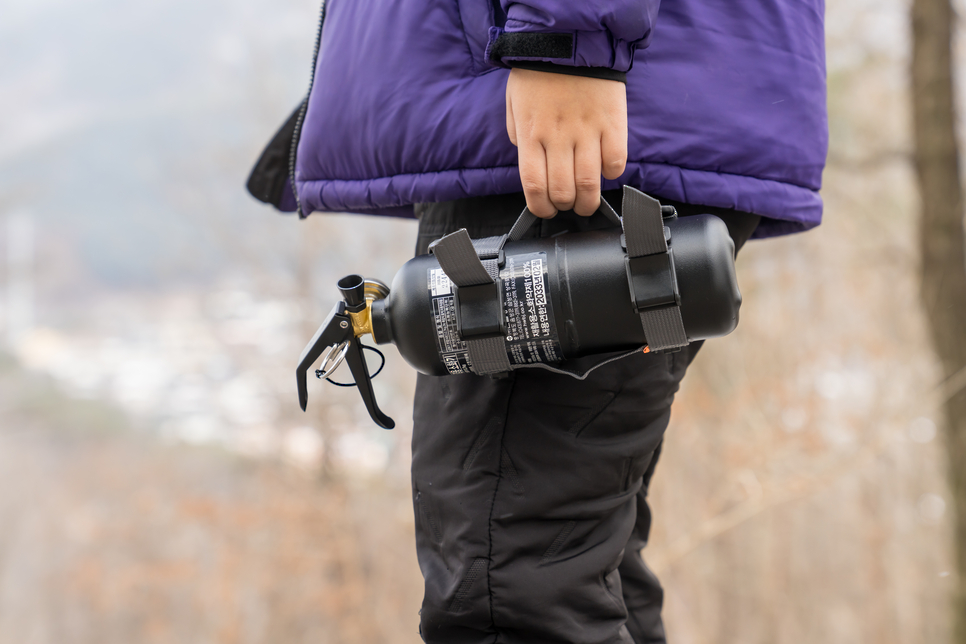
[[654, 282]]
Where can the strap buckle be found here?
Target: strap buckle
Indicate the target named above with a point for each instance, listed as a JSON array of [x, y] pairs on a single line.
[[479, 311], [653, 281]]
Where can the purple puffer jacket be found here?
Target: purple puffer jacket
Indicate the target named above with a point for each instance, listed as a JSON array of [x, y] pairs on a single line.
[[726, 101]]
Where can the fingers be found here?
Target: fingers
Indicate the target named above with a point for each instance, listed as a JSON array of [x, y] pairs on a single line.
[[533, 175], [587, 162], [569, 130], [613, 150], [561, 178], [560, 174]]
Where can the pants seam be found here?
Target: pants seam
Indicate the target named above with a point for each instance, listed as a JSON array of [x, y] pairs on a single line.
[[496, 489]]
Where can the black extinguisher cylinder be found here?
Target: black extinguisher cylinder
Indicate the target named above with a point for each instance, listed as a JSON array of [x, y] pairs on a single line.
[[586, 288]]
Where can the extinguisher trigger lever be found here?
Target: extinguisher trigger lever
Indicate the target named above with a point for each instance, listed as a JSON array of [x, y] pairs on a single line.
[[336, 329], [360, 373]]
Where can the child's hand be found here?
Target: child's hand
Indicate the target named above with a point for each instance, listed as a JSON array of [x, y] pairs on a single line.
[[569, 131]]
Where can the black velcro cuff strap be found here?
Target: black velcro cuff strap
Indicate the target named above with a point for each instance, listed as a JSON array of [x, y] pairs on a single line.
[[531, 45], [605, 73]]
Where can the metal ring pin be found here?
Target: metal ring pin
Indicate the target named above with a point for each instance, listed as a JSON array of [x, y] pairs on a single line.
[[332, 360]]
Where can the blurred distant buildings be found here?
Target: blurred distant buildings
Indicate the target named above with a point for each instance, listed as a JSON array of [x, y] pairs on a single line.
[[201, 368]]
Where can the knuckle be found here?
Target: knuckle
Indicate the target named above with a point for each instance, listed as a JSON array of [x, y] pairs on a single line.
[[586, 184], [529, 130], [562, 197], [533, 186]]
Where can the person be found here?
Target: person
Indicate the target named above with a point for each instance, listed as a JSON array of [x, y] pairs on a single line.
[[530, 490]]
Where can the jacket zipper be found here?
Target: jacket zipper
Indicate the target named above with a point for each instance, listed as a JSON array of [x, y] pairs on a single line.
[[301, 118]]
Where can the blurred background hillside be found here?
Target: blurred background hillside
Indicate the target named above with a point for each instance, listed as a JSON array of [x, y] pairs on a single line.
[[158, 482]]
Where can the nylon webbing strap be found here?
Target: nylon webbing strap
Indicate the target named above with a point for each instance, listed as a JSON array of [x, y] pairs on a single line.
[[664, 328], [488, 250], [527, 219], [522, 225], [460, 259], [457, 257], [489, 247], [488, 356], [643, 224], [644, 235], [608, 212]]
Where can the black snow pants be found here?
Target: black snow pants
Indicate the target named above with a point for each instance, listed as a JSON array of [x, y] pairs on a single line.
[[530, 491]]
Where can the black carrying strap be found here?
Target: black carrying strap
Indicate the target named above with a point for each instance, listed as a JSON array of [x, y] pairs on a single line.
[[644, 236], [526, 220], [463, 262], [458, 258], [643, 224]]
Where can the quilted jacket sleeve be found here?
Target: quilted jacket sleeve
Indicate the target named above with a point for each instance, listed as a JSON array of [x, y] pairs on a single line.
[[579, 33]]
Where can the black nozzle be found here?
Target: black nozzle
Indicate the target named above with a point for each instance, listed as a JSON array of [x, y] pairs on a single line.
[[353, 288]]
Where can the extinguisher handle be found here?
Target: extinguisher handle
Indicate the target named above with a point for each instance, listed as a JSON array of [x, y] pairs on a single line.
[[526, 220], [360, 372], [336, 329]]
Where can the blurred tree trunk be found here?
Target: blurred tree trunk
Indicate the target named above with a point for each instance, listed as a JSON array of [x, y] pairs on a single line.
[[942, 242]]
